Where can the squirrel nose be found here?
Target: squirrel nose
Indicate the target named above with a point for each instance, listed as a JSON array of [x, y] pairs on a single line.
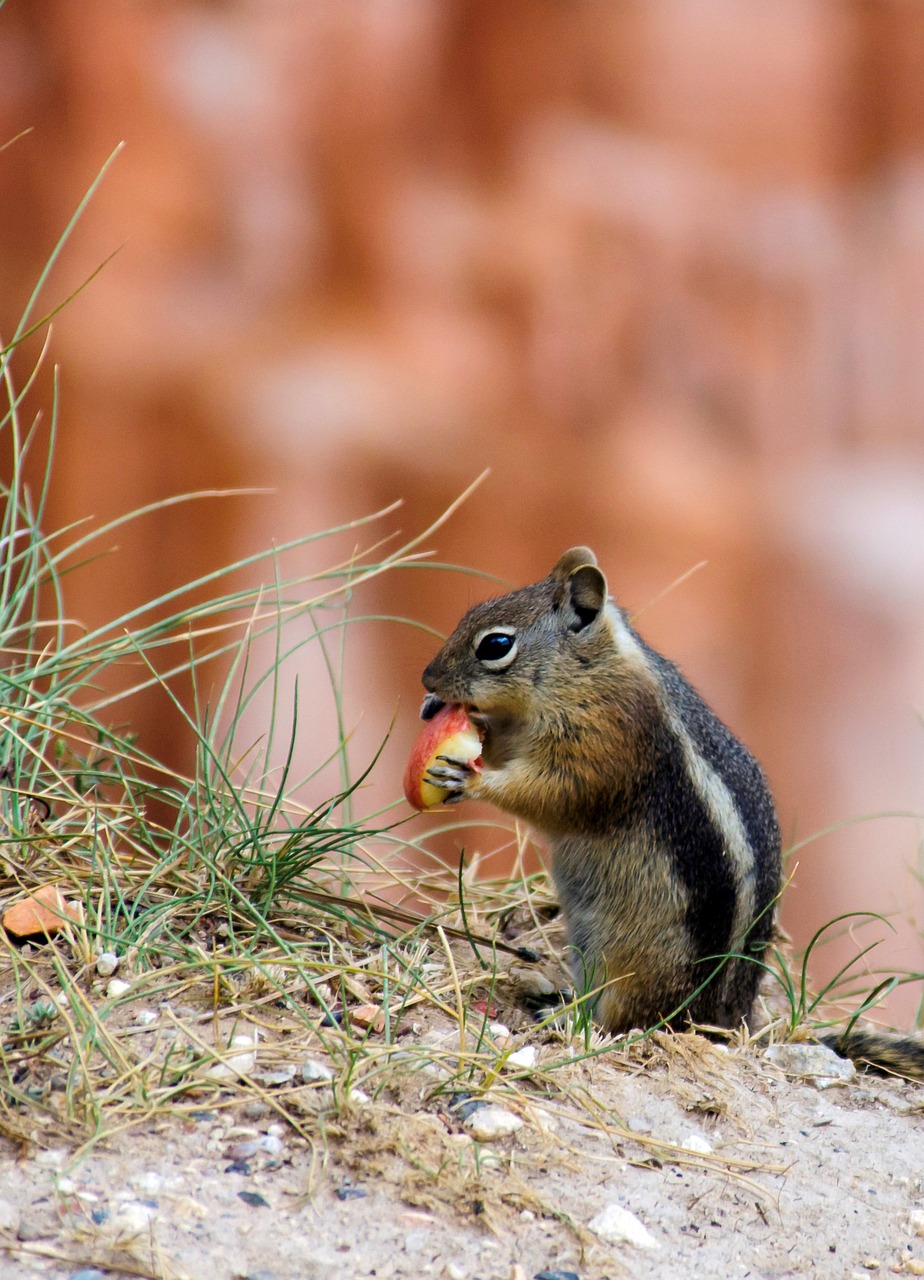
[[431, 704]]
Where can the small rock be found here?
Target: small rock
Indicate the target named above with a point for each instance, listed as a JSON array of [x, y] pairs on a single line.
[[237, 1064], [272, 1144], [556, 1275], [490, 1122], [525, 1057], [52, 1158], [279, 1075], [517, 1272], [147, 1182], [106, 963], [616, 1225], [116, 987], [871, 1264], [455, 1271], [254, 1199], [915, 1266], [239, 1166], [41, 914], [369, 1015], [916, 1219], [527, 1215], [9, 1216], [242, 1151], [144, 1017], [133, 1219], [87, 1273], [311, 1071], [815, 1062], [698, 1144], [260, 1275], [499, 1030], [351, 1193]]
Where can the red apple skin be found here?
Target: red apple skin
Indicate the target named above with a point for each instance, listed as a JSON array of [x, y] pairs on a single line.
[[449, 733]]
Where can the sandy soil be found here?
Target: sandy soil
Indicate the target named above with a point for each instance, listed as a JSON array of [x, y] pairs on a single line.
[[787, 1181]]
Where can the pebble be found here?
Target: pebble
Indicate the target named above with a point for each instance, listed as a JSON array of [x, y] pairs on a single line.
[[527, 1215], [556, 1275], [9, 1216], [236, 1064], [815, 1062], [279, 1075], [490, 1122], [311, 1071], [260, 1275], [916, 1219], [616, 1225], [695, 1142], [455, 1271], [915, 1266], [106, 964], [52, 1158], [369, 1015], [133, 1219], [148, 1182], [525, 1057], [144, 1017], [87, 1273], [351, 1193], [254, 1199], [499, 1030], [116, 987]]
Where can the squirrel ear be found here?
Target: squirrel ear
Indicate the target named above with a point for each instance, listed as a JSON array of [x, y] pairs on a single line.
[[581, 590], [587, 595], [572, 560]]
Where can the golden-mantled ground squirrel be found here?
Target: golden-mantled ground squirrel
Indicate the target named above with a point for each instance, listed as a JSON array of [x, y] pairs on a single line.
[[664, 840]]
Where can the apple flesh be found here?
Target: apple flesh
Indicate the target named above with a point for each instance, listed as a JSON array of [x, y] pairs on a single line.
[[448, 733]]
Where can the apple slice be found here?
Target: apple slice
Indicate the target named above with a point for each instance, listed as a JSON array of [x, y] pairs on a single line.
[[448, 733]]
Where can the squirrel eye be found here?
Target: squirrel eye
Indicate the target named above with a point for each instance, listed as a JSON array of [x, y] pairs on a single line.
[[496, 649]]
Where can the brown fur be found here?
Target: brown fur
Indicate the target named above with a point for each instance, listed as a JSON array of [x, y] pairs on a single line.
[[588, 736]]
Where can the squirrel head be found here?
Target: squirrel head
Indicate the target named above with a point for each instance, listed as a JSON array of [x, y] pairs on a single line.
[[504, 651]]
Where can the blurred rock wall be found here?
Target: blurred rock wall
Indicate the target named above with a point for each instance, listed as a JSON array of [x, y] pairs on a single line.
[[658, 264]]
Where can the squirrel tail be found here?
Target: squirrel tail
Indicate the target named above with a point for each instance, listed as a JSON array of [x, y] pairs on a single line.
[[888, 1052]]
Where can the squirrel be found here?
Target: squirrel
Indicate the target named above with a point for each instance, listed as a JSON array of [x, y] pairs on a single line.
[[664, 840]]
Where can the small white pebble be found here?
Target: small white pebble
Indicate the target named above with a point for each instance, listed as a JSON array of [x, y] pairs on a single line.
[[106, 964], [148, 1182], [916, 1219], [133, 1219], [311, 1071], [615, 1225], [454, 1271], [490, 1122], [237, 1064], [527, 1215], [525, 1057], [144, 1017], [117, 987], [698, 1144], [499, 1030], [66, 1186], [53, 1158]]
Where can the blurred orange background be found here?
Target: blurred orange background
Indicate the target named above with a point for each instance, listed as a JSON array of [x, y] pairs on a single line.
[[659, 265]]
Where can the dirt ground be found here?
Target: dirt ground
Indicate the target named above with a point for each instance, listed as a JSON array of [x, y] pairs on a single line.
[[733, 1168]]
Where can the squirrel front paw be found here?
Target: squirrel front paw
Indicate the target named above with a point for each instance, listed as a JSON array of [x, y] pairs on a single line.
[[455, 776]]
